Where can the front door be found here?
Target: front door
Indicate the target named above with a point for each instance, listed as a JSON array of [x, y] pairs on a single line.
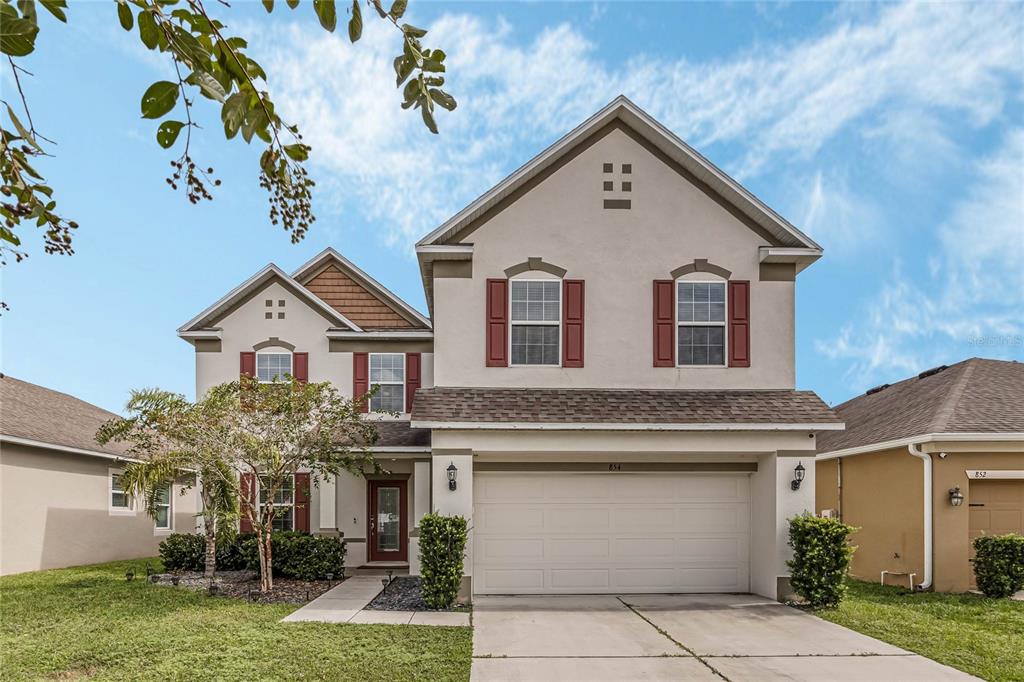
[[388, 532]]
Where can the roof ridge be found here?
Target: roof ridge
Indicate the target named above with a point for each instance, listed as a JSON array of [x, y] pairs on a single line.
[[942, 416]]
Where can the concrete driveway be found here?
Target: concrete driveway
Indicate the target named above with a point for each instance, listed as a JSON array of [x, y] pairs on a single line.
[[675, 637]]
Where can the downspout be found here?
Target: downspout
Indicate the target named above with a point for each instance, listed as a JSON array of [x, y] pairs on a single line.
[[915, 450]]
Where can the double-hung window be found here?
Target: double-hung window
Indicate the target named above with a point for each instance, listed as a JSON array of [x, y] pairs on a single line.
[[120, 501], [284, 502], [163, 507], [701, 323], [273, 366], [387, 373], [536, 321]]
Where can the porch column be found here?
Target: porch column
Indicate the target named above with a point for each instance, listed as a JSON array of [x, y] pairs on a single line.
[[420, 506], [458, 502], [328, 507]]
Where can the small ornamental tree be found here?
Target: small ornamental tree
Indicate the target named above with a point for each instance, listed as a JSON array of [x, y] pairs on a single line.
[[999, 564], [173, 438], [821, 557], [279, 428], [442, 548]]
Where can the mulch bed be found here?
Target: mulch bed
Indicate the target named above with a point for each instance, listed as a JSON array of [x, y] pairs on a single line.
[[403, 594], [246, 585]]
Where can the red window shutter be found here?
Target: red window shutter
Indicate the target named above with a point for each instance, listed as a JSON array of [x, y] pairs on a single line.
[[247, 485], [572, 322], [301, 513], [247, 363], [664, 323], [739, 323], [412, 378], [361, 378], [497, 323], [300, 366]]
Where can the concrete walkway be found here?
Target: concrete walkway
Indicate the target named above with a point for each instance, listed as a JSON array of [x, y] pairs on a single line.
[[673, 637], [346, 602]]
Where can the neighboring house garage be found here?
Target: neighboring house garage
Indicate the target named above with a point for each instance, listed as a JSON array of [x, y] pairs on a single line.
[[966, 424]]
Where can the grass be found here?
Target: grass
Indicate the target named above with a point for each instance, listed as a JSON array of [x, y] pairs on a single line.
[[90, 623], [983, 637]]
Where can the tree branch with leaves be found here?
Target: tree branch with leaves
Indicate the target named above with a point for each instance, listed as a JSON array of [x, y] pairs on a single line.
[[210, 64]]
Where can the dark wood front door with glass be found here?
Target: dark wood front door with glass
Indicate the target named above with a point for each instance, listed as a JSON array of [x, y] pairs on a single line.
[[388, 533]]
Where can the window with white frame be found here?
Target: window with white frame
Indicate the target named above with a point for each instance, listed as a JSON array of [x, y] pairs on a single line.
[[163, 507], [119, 499], [701, 323], [284, 502], [273, 365], [536, 321], [387, 371]]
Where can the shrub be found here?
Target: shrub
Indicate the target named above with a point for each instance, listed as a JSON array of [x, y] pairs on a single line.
[[999, 564], [821, 556], [183, 552], [442, 546]]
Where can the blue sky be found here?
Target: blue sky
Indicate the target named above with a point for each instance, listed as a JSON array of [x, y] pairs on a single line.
[[893, 134]]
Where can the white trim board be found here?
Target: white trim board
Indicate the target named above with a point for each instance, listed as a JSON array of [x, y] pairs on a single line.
[[16, 440], [621, 426], [994, 474], [921, 439]]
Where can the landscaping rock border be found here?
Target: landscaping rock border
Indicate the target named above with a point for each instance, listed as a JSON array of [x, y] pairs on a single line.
[[246, 585]]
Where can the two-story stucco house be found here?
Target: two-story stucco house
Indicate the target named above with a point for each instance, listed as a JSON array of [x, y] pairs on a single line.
[[604, 387]]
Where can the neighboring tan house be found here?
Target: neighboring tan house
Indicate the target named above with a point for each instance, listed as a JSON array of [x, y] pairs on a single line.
[[956, 432], [605, 388], [61, 503]]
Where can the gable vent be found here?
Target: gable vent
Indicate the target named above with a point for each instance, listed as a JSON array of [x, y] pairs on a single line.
[[616, 185], [876, 389]]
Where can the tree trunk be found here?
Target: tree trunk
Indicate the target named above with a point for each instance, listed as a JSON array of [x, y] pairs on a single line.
[[210, 524], [266, 567]]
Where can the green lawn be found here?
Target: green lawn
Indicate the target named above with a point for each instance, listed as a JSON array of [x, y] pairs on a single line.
[[90, 623], [984, 637]]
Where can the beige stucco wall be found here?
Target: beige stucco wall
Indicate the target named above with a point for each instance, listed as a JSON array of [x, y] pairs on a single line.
[[882, 494], [54, 512], [303, 327], [619, 253]]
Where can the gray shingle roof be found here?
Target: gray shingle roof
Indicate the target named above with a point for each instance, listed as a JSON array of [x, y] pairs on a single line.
[[41, 414], [401, 434], [625, 406], [973, 396]]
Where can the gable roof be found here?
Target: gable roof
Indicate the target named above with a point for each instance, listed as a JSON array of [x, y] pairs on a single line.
[[219, 309], [329, 258], [34, 415], [973, 396], [636, 119]]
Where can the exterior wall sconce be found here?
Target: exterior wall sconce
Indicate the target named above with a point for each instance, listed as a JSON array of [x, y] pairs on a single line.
[[956, 498], [798, 476], [452, 474]]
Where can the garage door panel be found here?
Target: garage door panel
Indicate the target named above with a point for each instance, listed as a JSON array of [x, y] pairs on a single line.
[[508, 488], [611, 533]]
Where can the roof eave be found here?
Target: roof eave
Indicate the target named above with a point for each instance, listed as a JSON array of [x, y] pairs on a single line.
[[920, 440], [625, 426]]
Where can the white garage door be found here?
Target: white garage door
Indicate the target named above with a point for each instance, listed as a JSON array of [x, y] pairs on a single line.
[[610, 532]]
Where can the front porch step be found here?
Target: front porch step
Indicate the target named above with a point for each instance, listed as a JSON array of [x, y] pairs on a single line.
[[382, 568]]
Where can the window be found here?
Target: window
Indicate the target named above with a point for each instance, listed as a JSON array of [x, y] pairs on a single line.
[[163, 507], [536, 321], [387, 370], [701, 323], [119, 499], [273, 366], [284, 502]]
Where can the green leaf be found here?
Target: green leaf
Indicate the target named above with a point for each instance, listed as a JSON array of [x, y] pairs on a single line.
[[292, 4], [56, 8], [167, 133], [208, 85], [268, 5], [398, 9], [17, 37], [148, 31], [124, 14], [233, 113], [355, 24], [28, 10], [326, 13], [403, 67], [297, 152], [413, 31], [443, 98], [25, 134], [428, 119], [159, 98]]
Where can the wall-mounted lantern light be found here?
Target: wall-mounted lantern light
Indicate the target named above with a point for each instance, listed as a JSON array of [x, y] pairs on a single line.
[[452, 473], [956, 498], [798, 476]]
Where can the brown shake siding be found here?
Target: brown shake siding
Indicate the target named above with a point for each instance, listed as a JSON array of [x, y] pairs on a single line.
[[350, 299]]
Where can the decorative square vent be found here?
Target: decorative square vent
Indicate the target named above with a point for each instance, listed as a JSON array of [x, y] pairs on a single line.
[[614, 189]]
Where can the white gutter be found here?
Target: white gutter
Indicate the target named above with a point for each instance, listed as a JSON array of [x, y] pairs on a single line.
[[1011, 436], [17, 440], [622, 426], [928, 526]]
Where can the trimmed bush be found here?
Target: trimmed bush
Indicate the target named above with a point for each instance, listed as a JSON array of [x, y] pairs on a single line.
[[999, 564], [442, 547], [294, 554], [821, 557]]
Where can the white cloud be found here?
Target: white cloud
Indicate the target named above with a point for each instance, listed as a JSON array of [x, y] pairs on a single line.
[[778, 104], [970, 298]]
